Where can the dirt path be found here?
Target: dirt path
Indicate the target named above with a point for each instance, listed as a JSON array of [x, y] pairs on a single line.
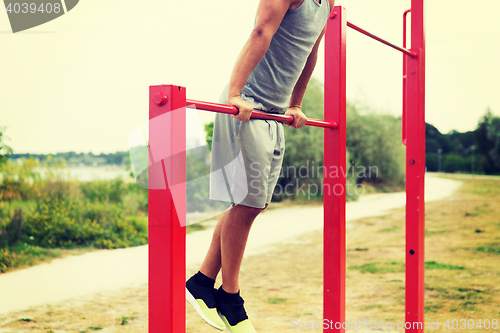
[[107, 270]]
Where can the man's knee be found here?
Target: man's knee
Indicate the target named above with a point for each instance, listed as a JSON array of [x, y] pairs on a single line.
[[253, 211], [250, 212]]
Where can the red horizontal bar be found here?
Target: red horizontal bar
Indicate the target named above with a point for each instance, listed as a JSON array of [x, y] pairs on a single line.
[[228, 109], [364, 32]]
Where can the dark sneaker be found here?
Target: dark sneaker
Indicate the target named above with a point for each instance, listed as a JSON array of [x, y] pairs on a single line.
[[203, 300], [234, 316]]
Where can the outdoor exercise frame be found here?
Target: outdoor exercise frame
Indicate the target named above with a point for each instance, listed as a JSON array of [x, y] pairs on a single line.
[[167, 234]]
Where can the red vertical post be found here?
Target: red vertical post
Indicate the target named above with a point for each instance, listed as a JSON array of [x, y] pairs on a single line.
[[334, 186], [415, 172], [403, 118], [167, 232]]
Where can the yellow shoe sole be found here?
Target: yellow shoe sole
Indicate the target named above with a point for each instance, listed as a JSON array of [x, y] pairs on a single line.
[[210, 316], [244, 326]]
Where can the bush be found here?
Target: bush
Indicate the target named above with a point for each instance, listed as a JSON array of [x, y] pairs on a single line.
[[135, 201], [480, 163], [377, 154], [12, 215], [197, 182], [302, 172], [68, 223], [431, 161], [104, 190], [453, 162], [303, 152], [58, 185], [54, 210], [5, 260], [19, 181]]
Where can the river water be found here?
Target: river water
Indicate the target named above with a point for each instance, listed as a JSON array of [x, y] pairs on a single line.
[[88, 173]]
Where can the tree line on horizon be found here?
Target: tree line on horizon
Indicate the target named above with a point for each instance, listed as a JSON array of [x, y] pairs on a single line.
[[476, 151], [72, 158]]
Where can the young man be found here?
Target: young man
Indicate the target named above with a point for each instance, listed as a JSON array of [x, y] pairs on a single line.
[[270, 74]]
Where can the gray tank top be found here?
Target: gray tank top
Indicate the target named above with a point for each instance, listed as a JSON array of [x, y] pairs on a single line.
[[271, 83]]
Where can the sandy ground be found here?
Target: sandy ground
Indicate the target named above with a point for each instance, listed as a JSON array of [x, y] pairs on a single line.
[[83, 275]]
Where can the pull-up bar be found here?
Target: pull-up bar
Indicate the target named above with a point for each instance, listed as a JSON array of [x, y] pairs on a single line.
[[231, 109], [383, 41], [160, 99]]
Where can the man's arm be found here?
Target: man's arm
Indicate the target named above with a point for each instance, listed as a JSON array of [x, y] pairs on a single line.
[[295, 104], [270, 13]]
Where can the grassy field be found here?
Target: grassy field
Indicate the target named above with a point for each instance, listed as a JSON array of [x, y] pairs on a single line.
[[25, 255], [283, 288]]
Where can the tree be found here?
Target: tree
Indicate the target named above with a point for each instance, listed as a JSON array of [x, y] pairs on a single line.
[[493, 134], [486, 138], [431, 161], [209, 130], [434, 140], [481, 134], [5, 150], [304, 146], [374, 142]]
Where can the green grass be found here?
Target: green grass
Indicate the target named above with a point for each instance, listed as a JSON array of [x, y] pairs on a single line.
[[275, 300], [379, 267], [26, 320], [435, 265], [194, 227], [432, 307], [435, 232], [493, 248], [124, 320], [397, 267], [25, 255], [393, 228]]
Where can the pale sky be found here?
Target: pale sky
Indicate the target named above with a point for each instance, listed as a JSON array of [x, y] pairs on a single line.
[[80, 82]]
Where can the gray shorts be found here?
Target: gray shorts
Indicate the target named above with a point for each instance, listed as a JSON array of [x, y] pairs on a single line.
[[246, 158]]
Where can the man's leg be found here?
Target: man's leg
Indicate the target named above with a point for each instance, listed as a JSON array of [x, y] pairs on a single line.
[[212, 263], [226, 252], [228, 245], [233, 239], [234, 235]]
